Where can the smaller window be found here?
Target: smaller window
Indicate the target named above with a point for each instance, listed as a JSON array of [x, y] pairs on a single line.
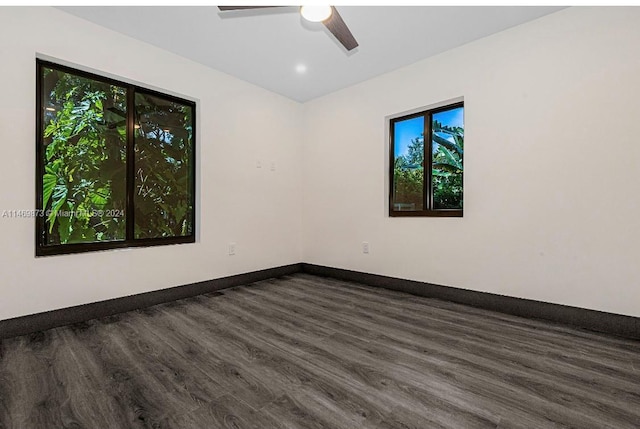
[[426, 174]]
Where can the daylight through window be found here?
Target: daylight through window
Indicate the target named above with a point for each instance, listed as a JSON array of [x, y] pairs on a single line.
[[426, 173], [115, 164]]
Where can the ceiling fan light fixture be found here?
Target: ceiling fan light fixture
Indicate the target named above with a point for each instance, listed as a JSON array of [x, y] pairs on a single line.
[[316, 13], [327, 15]]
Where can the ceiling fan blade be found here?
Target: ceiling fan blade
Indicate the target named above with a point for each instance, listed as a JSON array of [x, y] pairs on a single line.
[[224, 8], [339, 29]]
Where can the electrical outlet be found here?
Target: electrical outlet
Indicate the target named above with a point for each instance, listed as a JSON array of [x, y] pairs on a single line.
[[232, 249], [273, 166], [258, 164], [365, 247]]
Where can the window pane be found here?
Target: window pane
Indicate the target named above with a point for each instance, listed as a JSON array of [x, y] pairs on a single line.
[[163, 198], [408, 167], [448, 147], [84, 138]]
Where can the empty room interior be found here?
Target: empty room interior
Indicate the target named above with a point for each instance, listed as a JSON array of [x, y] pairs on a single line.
[[240, 217]]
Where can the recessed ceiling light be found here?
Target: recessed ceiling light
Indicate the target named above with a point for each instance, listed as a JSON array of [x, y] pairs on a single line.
[[315, 13], [50, 109], [301, 68]]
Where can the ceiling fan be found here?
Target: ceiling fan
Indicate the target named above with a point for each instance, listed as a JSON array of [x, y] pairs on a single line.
[[328, 15]]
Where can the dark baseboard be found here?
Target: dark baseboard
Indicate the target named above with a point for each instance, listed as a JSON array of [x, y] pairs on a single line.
[[52, 319], [609, 323]]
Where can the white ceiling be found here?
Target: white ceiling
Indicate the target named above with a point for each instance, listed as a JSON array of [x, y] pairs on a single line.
[[265, 46]]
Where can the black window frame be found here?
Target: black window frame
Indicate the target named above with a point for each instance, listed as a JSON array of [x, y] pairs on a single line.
[[429, 211], [42, 249]]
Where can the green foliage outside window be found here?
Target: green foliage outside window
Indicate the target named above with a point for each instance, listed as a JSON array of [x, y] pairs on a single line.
[[447, 166], [85, 159], [88, 185], [163, 164], [446, 170], [409, 176]]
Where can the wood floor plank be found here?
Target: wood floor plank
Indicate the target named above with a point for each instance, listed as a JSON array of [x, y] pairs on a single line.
[[615, 398], [76, 368], [587, 407], [273, 363], [466, 334], [550, 352], [425, 311], [304, 351], [459, 311], [226, 412], [333, 359]]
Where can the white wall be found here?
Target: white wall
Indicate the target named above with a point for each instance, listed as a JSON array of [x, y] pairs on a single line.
[[552, 174], [238, 125]]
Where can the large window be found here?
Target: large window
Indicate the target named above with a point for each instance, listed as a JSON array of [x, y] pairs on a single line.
[[115, 164], [426, 163]]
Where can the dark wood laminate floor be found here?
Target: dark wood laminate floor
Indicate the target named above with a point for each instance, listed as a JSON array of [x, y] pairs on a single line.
[[310, 352]]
